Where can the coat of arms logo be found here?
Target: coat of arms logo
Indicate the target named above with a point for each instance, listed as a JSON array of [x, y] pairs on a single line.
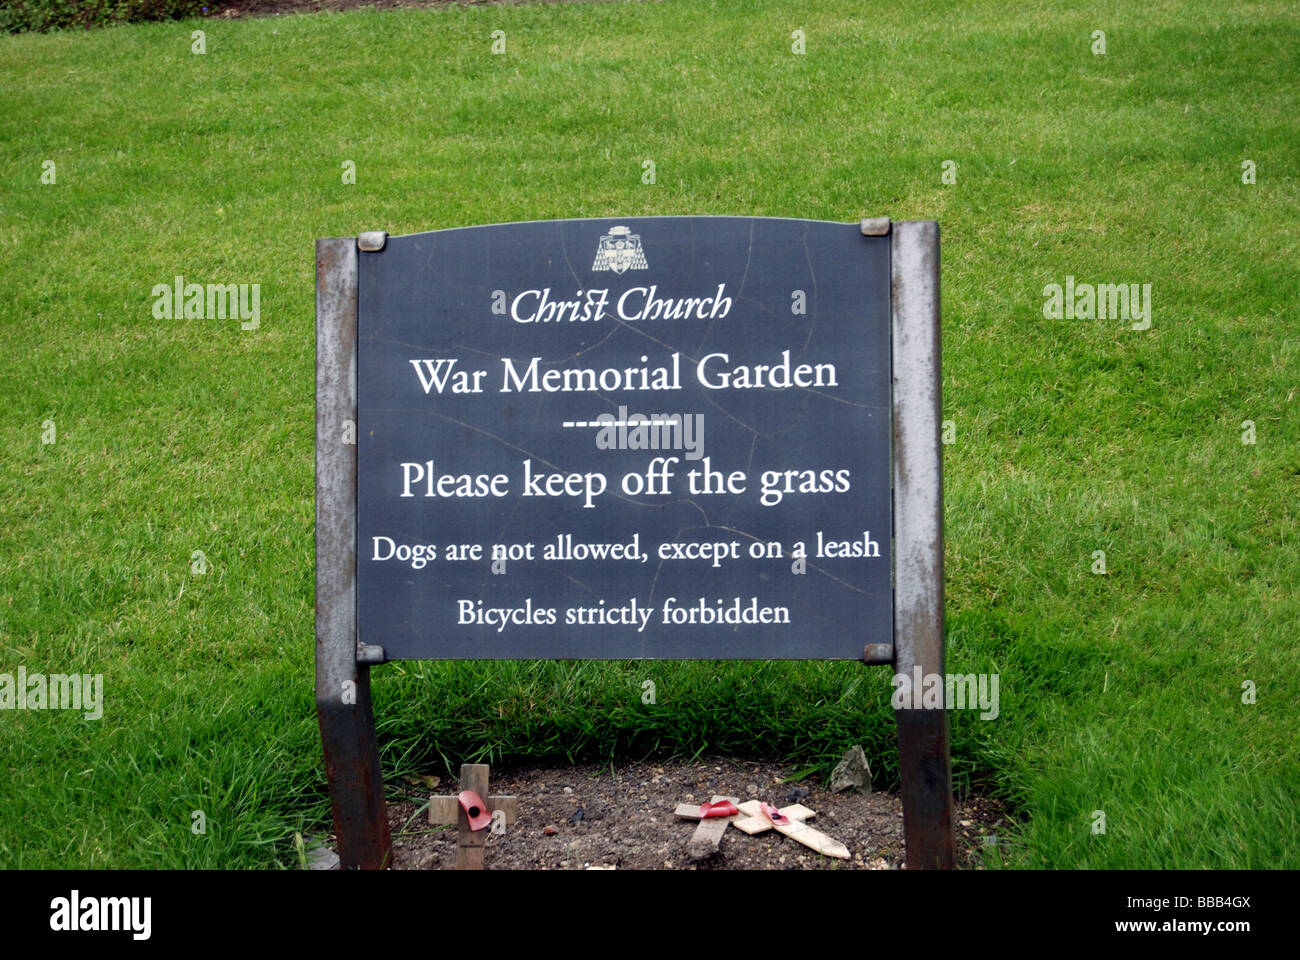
[[620, 251]]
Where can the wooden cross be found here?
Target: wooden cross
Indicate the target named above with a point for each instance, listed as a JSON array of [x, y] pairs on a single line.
[[753, 820], [470, 842], [708, 834]]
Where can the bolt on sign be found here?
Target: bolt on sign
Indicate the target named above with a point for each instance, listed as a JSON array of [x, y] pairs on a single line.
[[658, 437]]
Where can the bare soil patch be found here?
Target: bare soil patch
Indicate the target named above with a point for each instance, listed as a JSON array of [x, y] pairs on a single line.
[[621, 816]]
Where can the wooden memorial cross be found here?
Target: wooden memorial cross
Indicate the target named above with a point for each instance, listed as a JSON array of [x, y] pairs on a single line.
[[753, 820], [707, 837], [470, 841]]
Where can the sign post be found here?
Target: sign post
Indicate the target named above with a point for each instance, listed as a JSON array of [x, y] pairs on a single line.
[[662, 437], [347, 723], [924, 763]]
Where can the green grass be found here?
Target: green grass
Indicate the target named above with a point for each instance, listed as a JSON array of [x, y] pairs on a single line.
[[1119, 693]]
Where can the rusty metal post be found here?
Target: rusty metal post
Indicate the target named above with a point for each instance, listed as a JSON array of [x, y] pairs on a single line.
[[347, 722], [924, 763]]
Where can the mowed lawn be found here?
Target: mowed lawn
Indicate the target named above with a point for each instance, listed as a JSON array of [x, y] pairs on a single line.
[[1164, 693]]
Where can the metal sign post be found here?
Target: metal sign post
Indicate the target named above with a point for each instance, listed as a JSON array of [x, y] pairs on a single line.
[[875, 313]]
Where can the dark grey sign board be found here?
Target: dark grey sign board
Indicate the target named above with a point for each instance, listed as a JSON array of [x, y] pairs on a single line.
[[661, 437]]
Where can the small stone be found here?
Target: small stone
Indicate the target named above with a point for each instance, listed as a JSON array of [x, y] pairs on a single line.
[[568, 789], [852, 771], [322, 858], [965, 823], [550, 830], [752, 790]]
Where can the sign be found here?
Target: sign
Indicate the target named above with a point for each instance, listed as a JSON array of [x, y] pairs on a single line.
[[692, 437], [661, 437]]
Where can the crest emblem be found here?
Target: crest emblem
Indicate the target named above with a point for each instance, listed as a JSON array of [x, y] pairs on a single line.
[[620, 251]]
